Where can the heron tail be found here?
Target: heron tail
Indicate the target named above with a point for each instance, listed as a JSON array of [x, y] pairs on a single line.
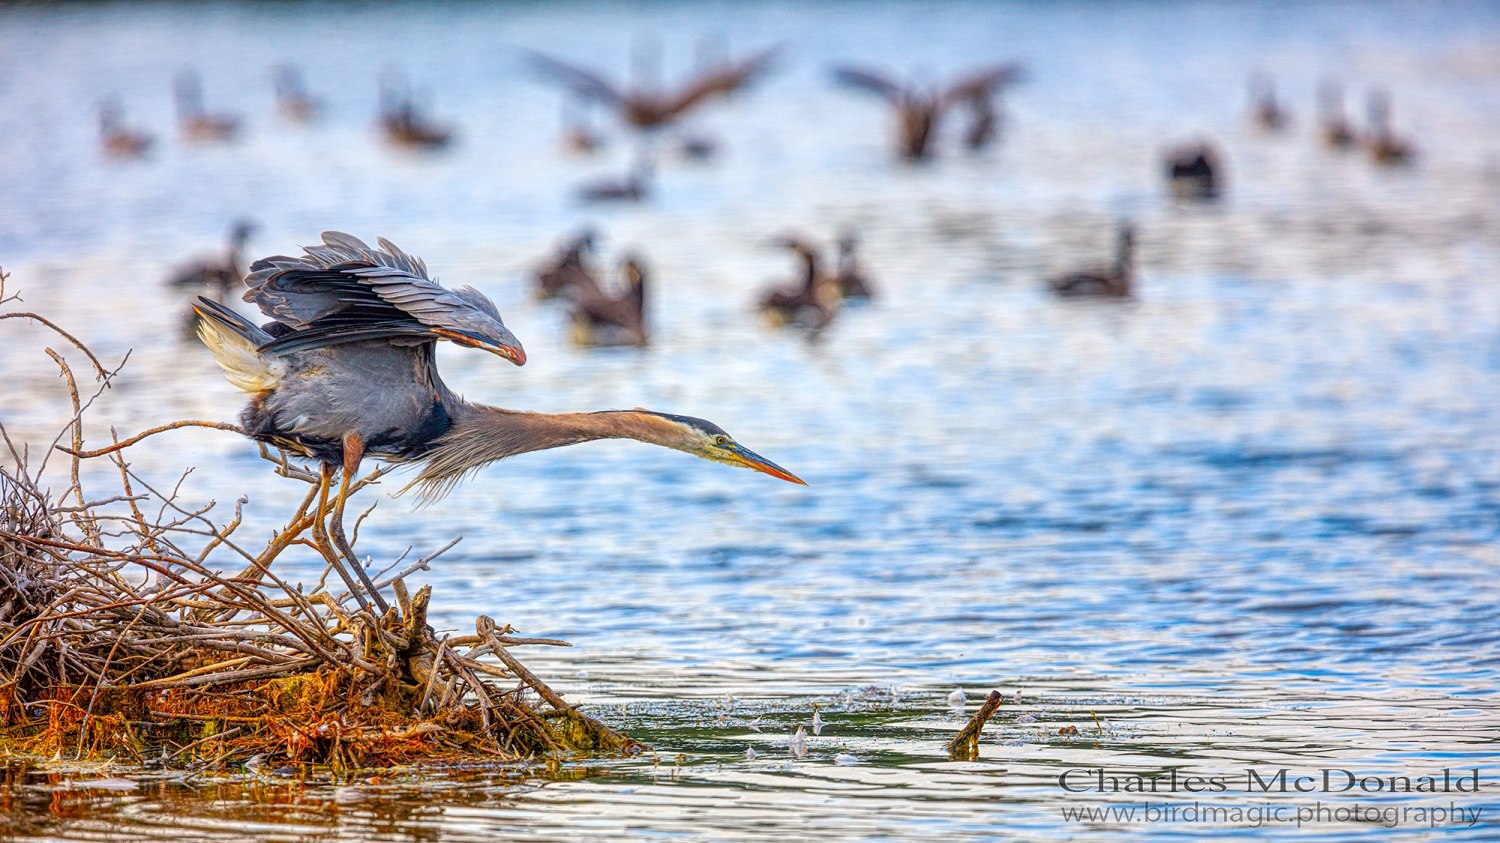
[[233, 339]]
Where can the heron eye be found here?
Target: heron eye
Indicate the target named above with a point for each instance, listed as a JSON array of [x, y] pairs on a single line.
[[721, 440]]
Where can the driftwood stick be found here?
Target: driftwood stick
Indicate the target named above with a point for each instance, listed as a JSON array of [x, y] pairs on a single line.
[[85, 455], [228, 676], [486, 629], [965, 745], [99, 370]]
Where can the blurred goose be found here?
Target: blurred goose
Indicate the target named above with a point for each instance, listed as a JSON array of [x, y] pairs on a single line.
[[1194, 171], [600, 319], [697, 147], [194, 122], [292, 98], [216, 277], [570, 270], [1103, 281], [809, 303], [1267, 112], [403, 123], [644, 106], [117, 140], [1385, 147], [919, 109], [850, 280], [1337, 132], [578, 136], [634, 188], [212, 277]]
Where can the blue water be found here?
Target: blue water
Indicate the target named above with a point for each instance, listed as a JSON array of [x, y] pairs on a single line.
[[1247, 519]]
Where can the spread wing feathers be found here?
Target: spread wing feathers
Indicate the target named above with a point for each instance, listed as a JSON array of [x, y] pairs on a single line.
[[345, 291], [235, 342], [585, 83], [868, 80], [983, 83], [721, 80]]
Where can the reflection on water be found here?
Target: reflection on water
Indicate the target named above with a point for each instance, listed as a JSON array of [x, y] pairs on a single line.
[[1248, 518]]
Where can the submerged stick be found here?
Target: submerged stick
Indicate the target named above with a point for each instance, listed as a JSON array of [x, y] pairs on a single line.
[[965, 745]]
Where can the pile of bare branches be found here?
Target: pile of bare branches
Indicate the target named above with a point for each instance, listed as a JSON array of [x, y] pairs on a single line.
[[121, 634]]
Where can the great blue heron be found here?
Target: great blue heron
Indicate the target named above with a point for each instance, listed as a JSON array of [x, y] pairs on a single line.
[[644, 107], [920, 109], [1115, 280], [811, 302], [195, 123], [602, 319], [118, 140], [346, 368], [1385, 147]]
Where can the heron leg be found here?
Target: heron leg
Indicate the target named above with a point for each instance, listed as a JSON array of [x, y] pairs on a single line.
[[354, 451], [321, 539]]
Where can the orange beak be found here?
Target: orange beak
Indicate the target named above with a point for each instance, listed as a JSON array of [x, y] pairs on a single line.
[[741, 455], [514, 353]]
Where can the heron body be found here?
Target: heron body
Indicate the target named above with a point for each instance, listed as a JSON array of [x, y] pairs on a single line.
[[347, 368]]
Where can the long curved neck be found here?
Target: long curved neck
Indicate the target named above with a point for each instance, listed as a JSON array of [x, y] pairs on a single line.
[[809, 267], [482, 434]]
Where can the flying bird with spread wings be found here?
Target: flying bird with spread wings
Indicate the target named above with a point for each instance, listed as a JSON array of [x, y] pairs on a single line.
[[645, 107], [920, 108]]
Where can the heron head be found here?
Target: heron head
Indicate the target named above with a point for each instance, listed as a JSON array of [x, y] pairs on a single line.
[[708, 441]]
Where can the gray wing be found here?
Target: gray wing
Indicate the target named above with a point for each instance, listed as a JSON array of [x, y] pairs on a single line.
[[868, 80], [345, 291], [984, 82], [584, 83]]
